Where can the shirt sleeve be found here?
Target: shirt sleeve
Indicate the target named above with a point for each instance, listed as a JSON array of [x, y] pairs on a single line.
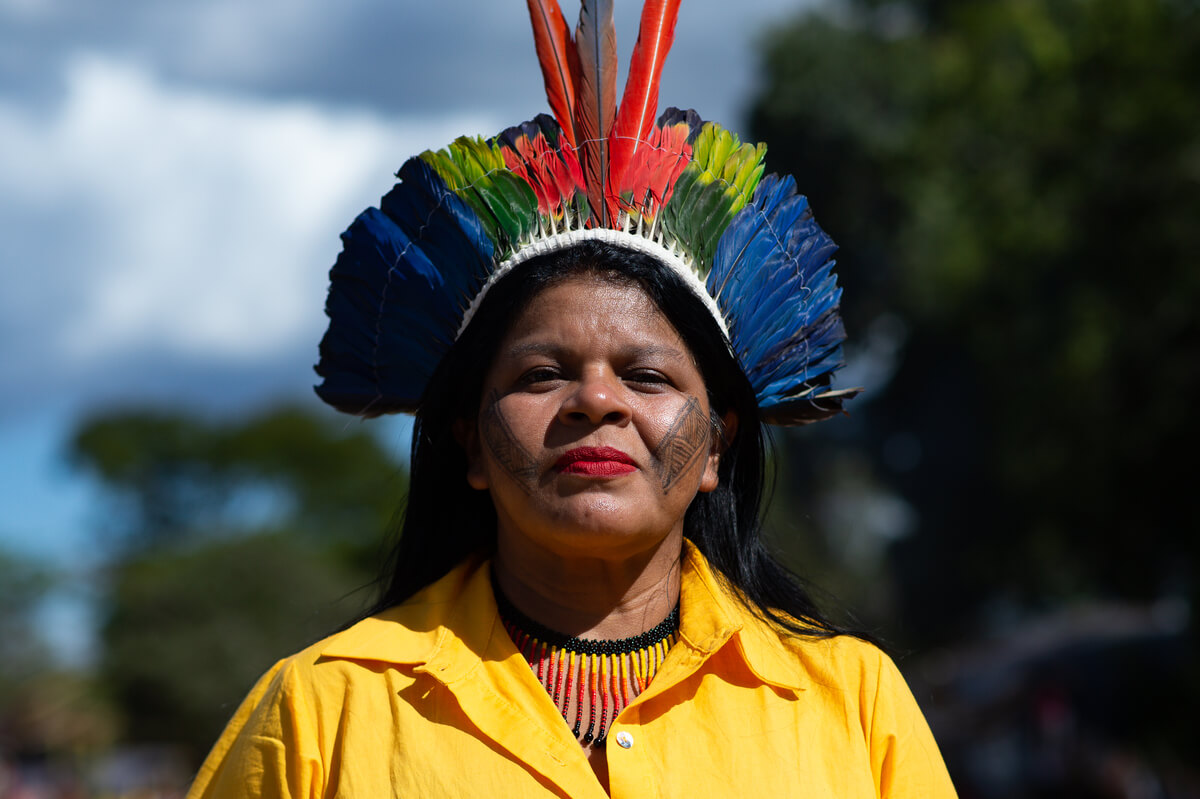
[[268, 748], [904, 757]]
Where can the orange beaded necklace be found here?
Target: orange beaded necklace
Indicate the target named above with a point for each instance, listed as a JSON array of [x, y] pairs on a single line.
[[591, 679]]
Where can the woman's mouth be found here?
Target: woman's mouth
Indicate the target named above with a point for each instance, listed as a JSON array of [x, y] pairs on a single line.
[[596, 462]]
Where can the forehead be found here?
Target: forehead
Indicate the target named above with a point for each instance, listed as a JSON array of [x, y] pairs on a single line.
[[594, 308]]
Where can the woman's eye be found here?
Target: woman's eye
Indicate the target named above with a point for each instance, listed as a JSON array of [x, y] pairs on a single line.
[[647, 377], [540, 374]]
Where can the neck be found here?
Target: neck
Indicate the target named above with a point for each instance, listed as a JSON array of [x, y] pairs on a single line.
[[589, 680], [588, 596]]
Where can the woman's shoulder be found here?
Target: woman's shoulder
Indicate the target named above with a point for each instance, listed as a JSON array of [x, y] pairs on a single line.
[[842, 650], [326, 667], [403, 634], [838, 663], [287, 717], [834, 661], [840, 660]]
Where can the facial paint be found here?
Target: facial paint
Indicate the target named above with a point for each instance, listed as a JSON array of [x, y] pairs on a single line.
[[687, 440], [508, 452]]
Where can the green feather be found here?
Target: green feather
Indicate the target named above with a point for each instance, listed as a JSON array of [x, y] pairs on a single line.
[[717, 184], [475, 171]]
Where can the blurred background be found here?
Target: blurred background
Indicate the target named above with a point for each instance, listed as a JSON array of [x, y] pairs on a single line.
[[1011, 504]]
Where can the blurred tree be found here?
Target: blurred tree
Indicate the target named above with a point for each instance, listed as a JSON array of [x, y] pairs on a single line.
[[1016, 186], [174, 476], [237, 545], [22, 652], [46, 713], [189, 631], [1020, 181]]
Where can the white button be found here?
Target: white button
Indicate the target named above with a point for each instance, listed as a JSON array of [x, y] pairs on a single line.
[[624, 739]]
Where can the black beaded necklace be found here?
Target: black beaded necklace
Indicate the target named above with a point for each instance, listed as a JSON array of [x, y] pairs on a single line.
[[590, 677]]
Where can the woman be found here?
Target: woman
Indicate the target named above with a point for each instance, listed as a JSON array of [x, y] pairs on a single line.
[[579, 603]]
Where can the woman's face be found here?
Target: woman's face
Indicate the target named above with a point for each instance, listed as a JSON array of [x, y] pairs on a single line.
[[594, 431]]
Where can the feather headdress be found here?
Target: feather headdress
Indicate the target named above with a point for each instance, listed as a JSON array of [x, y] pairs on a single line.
[[413, 271]]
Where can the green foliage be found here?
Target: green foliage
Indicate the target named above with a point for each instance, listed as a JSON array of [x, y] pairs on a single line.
[[189, 632], [45, 712], [241, 542], [22, 653], [173, 476], [1021, 181]]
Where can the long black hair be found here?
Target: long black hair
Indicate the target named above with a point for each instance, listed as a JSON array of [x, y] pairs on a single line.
[[445, 520]]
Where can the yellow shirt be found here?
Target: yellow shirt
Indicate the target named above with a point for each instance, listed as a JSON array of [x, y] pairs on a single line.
[[432, 699]]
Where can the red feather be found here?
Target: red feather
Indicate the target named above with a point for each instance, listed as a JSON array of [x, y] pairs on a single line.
[[528, 162], [596, 99], [639, 105], [652, 171], [552, 173], [559, 61], [568, 174]]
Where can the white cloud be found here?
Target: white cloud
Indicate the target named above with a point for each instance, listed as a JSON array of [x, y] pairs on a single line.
[[192, 222], [236, 39]]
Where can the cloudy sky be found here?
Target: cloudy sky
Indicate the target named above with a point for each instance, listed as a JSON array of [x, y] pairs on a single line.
[[174, 176]]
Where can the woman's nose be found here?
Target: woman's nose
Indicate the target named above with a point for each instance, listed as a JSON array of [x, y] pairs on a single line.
[[599, 397]]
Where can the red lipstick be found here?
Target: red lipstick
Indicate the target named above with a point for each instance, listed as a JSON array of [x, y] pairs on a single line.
[[596, 462]]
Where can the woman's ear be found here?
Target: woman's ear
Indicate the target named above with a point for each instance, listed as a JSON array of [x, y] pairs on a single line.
[[466, 433], [724, 431]]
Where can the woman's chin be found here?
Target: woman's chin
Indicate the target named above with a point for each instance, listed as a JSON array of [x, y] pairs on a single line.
[[601, 530]]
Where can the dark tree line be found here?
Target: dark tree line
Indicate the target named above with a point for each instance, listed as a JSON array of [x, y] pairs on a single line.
[[235, 544], [1016, 189]]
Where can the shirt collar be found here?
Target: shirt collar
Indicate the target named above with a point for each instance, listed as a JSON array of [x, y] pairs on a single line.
[[461, 605], [712, 617]]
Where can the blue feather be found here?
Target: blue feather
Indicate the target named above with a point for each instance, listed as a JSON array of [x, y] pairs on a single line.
[[772, 274], [397, 292]]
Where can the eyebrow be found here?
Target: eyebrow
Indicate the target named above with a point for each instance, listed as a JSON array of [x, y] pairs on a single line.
[[551, 349]]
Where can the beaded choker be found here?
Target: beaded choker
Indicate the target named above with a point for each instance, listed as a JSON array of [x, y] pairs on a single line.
[[587, 677]]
